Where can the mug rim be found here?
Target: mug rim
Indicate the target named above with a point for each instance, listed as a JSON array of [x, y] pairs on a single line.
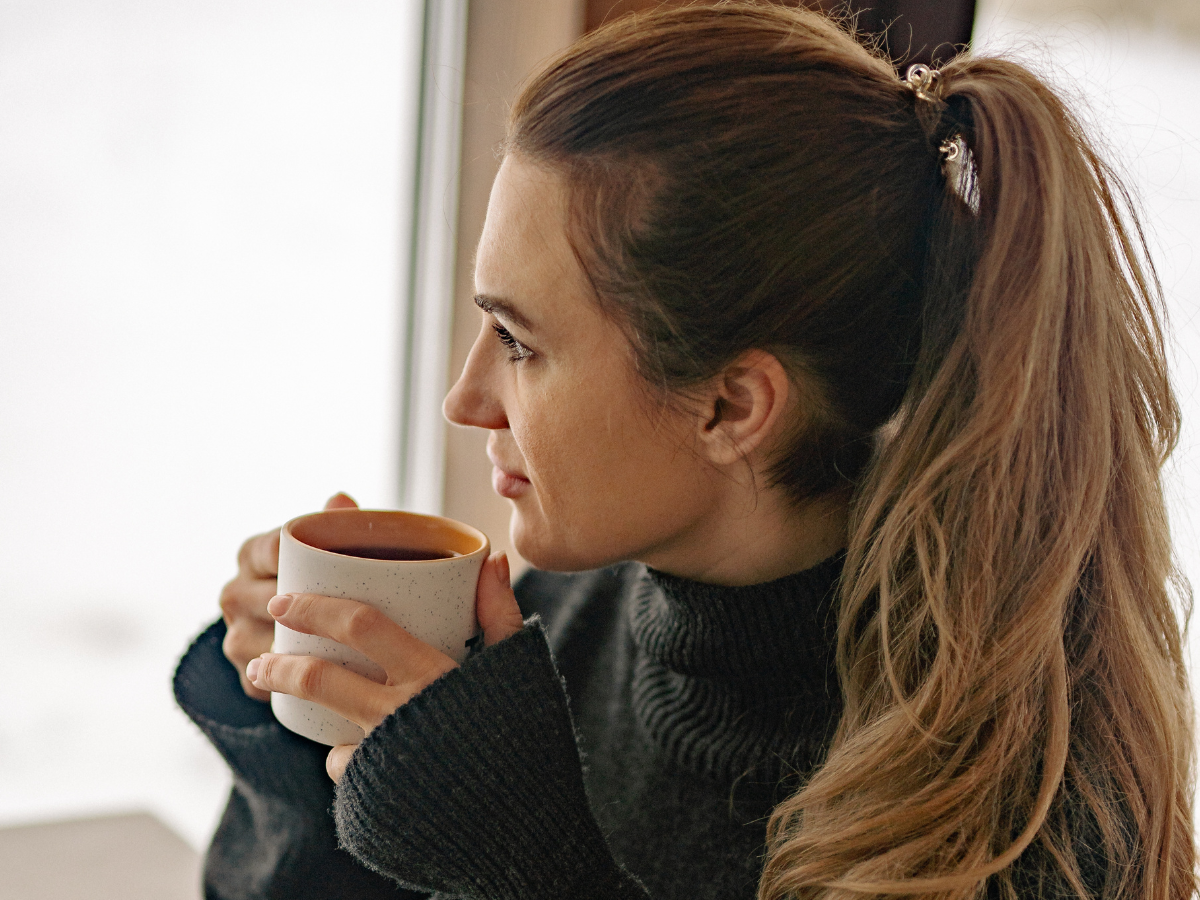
[[462, 535]]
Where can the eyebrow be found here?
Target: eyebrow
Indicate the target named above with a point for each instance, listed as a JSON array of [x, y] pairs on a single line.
[[503, 308]]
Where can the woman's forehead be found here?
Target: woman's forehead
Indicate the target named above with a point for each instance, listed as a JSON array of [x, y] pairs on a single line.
[[524, 254]]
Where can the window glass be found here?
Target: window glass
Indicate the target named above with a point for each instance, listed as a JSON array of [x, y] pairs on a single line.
[[202, 215]]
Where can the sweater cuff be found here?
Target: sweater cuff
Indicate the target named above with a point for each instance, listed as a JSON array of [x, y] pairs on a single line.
[[262, 753], [475, 787]]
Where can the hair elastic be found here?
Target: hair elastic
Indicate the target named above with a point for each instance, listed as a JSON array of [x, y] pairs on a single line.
[[923, 82]]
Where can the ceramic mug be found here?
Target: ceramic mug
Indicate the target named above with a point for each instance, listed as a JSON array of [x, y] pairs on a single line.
[[420, 571]]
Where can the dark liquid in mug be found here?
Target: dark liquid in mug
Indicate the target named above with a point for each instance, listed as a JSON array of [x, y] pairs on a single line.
[[393, 553]]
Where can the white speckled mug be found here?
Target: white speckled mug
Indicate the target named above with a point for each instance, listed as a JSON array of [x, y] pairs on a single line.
[[421, 571]]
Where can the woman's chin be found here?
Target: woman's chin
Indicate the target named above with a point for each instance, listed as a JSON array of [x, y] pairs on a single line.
[[539, 548], [532, 550]]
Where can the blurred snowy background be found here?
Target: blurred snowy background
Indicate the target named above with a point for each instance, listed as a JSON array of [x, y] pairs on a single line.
[[201, 207], [201, 210]]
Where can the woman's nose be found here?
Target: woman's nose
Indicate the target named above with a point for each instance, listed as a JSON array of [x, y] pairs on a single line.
[[473, 399]]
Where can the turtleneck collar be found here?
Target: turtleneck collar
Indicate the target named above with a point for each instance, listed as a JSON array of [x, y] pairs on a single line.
[[737, 681]]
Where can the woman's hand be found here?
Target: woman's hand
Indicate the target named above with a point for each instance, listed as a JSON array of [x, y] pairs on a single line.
[[410, 665], [249, 627]]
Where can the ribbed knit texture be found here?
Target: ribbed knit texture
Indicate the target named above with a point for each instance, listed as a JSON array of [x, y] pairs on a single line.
[[474, 787], [689, 700], [689, 703], [737, 682], [683, 699], [276, 838]]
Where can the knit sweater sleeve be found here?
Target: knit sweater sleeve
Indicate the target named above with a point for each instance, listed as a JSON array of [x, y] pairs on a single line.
[[276, 838], [475, 788]]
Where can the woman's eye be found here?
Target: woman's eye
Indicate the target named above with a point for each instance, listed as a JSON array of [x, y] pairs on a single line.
[[516, 350]]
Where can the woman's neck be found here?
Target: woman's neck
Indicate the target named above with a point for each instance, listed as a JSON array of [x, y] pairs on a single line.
[[755, 539]]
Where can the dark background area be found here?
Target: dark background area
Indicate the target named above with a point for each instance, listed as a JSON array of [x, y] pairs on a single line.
[[914, 31]]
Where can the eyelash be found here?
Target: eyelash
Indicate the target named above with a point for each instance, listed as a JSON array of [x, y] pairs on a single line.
[[516, 350]]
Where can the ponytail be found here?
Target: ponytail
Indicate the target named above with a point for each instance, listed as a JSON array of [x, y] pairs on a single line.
[[1011, 662], [951, 277]]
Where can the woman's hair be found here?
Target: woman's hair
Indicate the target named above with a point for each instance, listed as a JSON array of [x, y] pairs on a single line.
[[977, 345]]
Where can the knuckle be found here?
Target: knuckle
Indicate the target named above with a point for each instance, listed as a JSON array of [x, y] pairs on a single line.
[[230, 599], [241, 645], [310, 677], [299, 613], [232, 649], [244, 552], [244, 597], [362, 621], [303, 606], [258, 556], [268, 674]]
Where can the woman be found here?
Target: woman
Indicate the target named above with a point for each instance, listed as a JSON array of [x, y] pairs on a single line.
[[844, 396]]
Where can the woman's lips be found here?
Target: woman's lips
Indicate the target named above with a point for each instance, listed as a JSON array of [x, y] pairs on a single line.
[[508, 485], [505, 483]]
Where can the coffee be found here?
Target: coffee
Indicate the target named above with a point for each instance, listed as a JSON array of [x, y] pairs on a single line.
[[393, 553]]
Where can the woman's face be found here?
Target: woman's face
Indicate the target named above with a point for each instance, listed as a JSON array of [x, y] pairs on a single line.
[[596, 469]]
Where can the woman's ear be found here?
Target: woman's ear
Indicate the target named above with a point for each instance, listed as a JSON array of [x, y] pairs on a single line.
[[742, 407]]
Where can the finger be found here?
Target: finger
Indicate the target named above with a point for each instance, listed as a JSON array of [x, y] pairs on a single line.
[[247, 598], [365, 629], [338, 759], [259, 556], [249, 628], [495, 603], [341, 501], [239, 650], [245, 640], [335, 687]]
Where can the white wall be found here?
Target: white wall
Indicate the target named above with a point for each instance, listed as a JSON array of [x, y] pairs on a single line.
[[1171, 15], [200, 266]]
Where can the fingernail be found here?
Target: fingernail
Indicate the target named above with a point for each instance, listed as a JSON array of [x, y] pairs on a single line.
[[252, 669], [279, 604], [502, 564]]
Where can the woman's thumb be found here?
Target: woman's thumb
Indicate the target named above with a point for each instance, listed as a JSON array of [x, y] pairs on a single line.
[[341, 501], [495, 603]]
